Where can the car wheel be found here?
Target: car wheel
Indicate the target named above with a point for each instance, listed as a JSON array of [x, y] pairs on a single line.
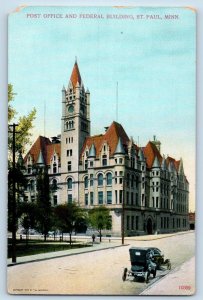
[[147, 276], [124, 274], [154, 273]]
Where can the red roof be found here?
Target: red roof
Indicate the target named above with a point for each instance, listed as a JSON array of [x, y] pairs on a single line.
[[44, 145], [111, 137], [75, 76], [150, 152]]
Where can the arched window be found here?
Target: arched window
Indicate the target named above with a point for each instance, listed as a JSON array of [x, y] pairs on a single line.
[[100, 179], [54, 184], [70, 183], [109, 179], [86, 182]]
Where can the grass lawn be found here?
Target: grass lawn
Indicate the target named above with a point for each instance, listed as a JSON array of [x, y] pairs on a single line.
[[38, 246]]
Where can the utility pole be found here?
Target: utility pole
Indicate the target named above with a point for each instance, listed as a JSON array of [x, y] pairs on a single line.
[[14, 218]]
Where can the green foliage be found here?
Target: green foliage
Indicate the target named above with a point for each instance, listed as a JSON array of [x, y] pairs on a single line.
[[44, 213], [27, 212], [100, 218], [25, 124], [69, 217], [15, 176]]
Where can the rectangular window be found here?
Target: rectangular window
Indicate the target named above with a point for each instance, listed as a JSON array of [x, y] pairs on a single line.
[[161, 222], [55, 200], [116, 196], [100, 197], [70, 198], [127, 198], [152, 201], [128, 222], [91, 198], [132, 198], [109, 197], [69, 166], [120, 196], [86, 164], [137, 222], [91, 163], [91, 180], [32, 198], [86, 199], [157, 202], [71, 152], [132, 222], [68, 152], [120, 180], [136, 199], [26, 198]]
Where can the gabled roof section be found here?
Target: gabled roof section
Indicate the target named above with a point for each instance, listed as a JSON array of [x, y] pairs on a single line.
[[75, 76], [43, 145], [150, 152], [111, 137], [156, 163]]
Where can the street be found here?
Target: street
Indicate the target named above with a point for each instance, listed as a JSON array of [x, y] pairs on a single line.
[[95, 273]]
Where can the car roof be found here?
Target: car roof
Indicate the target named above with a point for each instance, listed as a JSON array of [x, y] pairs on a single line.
[[144, 248]]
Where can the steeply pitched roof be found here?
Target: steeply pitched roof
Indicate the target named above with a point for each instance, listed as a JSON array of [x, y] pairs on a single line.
[[150, 152], [111, 137], [47, 149], [75, 76]]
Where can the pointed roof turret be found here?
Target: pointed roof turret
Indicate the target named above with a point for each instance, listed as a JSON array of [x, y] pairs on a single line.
[[181, 169], [171, 167], [141, 155], [163, 164], [20, 161], [119, 147], [75, 76], [40, 160], [92, 152], [156, 163]]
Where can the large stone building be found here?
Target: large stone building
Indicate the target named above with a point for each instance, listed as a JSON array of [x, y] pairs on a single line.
[[110, 168]]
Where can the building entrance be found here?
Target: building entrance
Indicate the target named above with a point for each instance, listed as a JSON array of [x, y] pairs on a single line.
[[149, 226]]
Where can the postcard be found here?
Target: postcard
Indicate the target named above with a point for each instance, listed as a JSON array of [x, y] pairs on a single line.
[[101, 150]]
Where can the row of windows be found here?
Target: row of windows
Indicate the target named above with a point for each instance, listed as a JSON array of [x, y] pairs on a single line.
[[69, 125], [89, 198], [132, 223], [175, 223], [69, 140]]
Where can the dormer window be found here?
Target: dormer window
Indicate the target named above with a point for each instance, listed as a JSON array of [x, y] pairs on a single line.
[[104, 160], [29, 169]]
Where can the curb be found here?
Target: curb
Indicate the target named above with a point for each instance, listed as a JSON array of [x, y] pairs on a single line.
[[64, 255], [164, 277]]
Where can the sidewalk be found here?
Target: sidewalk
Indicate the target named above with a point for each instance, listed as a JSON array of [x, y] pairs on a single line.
[[107, 243], [180, 281], [51, 255]]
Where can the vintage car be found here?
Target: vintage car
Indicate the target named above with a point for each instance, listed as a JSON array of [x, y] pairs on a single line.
[[145, 261]]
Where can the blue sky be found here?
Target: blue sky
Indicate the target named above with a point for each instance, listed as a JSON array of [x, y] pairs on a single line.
[[153, 61]]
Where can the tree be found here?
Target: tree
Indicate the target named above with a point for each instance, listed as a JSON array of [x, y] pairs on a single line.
[[44, 213], [15, 176], [25, 124], [69, 216], [27, 213], [100, 218]]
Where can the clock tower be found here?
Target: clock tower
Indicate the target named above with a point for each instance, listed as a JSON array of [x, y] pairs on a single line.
[[75, 127]]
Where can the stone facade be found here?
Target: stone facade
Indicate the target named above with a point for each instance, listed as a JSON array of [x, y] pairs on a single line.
[[110, 169]]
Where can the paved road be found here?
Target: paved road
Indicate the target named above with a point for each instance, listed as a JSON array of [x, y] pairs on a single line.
[[94, 273]]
